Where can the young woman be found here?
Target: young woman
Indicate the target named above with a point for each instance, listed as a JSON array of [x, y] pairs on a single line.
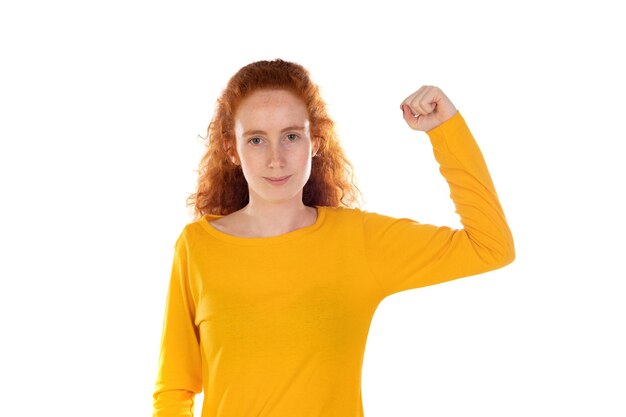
[[275, 282]]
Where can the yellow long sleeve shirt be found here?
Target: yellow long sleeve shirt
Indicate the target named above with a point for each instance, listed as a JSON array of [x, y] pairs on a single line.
[[277, 326]]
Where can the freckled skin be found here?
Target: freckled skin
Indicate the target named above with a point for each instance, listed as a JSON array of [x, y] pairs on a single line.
[[272, 150], [273, 153]]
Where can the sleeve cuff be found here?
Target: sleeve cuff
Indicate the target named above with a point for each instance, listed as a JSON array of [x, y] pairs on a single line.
[[447, 126], [452, 135]]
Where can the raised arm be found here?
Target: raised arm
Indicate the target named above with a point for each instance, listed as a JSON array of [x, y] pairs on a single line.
[[404, 253]]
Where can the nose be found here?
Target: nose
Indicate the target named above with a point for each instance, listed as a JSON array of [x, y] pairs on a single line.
[[276, 158]]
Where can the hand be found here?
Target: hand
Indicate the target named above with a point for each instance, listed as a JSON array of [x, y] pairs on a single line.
[[427, 108]]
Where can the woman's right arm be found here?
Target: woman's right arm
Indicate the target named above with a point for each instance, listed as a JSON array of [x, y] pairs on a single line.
[[180, 363]]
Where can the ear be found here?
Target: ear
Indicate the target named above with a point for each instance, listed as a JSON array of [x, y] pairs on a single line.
[[231, 153], [316, 146]]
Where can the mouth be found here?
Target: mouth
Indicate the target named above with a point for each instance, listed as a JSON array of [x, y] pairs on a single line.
[[277, 180]]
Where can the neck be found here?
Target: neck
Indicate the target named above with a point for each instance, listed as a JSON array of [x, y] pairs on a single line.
[[273, 218]]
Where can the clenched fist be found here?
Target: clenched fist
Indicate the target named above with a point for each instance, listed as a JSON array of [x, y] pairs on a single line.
[[427, 108]]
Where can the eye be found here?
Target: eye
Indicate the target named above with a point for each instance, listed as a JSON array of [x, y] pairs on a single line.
[[254, 143], [294, 135]]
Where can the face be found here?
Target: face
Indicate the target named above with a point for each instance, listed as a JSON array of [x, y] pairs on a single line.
[[273, 141]]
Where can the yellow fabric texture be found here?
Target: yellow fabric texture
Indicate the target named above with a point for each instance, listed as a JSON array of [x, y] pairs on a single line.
[[277, 326]]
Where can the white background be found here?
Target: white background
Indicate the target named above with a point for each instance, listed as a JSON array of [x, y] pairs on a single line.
[[101, 105]]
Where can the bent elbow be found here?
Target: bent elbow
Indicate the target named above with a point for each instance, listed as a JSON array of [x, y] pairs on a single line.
[[508, 256], [500, 252]]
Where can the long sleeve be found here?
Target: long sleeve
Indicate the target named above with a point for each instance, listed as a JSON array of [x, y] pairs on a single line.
[[180, 364], [404, 253]]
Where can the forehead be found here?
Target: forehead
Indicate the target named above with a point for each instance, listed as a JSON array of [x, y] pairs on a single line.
[[270, 105]]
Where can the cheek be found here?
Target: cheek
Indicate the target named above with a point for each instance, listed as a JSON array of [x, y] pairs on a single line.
[[249, 164], [305, 152], [248, 158], [305, 162]]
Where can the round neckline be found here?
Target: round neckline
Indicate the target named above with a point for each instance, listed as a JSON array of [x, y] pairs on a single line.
[[294, 234]]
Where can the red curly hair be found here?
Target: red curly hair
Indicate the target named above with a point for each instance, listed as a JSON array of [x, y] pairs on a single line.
[[222, 188]]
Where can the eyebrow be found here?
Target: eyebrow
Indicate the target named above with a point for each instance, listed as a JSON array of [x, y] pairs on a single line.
[[261, 132]]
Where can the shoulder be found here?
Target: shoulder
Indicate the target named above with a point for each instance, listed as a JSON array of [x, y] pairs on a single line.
[[226, 224], [195, 231], [350, 212], [376, 220], [343, 211], [348, 216]]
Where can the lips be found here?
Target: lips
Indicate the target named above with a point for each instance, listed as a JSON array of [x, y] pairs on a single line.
[[277, 178]]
